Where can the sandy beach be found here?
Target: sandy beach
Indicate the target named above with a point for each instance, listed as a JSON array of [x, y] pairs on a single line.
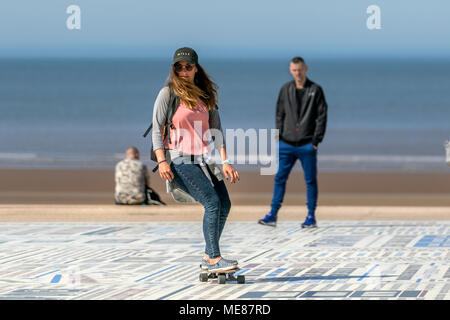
[[86, 195], [57, 186]]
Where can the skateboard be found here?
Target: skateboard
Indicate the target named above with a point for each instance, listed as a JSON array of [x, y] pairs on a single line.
[[222, 276]]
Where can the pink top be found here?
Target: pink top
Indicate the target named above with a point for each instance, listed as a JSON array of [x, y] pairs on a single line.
[[191, 133]]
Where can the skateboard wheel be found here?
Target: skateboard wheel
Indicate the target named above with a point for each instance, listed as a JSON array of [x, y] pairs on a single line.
[[222, 278], [203, 277], [241, 279]]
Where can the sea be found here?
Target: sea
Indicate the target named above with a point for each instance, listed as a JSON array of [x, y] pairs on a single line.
[[384, 115]]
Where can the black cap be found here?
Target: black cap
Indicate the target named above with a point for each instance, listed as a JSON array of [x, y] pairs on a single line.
[[185, 54]]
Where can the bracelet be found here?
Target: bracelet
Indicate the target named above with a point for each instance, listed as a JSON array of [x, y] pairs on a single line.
[[161, 161], [226, 161]]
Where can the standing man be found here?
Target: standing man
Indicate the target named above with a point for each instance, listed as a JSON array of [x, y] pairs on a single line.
[[301, 118]]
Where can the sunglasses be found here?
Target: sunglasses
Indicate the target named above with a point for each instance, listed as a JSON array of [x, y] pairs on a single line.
[[188, 67]]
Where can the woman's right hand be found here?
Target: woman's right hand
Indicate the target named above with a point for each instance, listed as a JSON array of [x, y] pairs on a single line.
[[165, 172]]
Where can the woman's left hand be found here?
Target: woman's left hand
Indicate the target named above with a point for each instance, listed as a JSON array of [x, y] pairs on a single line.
[[230, 173]]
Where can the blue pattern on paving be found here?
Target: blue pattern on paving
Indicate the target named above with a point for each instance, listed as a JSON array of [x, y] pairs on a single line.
[[160, 260]]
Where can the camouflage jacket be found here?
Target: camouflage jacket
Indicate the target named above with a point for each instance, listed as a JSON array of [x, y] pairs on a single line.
[[131, 177]]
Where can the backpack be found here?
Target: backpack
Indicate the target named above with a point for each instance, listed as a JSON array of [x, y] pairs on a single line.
[[174, 101]]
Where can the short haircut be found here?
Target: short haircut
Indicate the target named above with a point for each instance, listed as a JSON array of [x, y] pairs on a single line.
[[298, 60], [134, 149]]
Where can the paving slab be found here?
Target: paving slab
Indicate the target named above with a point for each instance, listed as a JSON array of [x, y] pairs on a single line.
[[388, 260]]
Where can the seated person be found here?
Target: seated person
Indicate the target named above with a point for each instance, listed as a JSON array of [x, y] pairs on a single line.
[[132, 181]]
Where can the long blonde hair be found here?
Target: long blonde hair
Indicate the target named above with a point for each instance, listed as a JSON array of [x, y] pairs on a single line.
[[202, 88]]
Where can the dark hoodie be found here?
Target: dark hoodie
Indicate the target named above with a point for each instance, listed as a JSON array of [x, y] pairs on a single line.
[[301, 122]]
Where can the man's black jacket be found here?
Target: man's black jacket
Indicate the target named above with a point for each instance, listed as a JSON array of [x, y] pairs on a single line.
[[301, 122]]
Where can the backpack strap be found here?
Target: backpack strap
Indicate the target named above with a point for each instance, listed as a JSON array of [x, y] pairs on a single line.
[[148, 130], [173, 104], [174, 101]]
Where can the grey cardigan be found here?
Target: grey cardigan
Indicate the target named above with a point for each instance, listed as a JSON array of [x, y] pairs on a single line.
[[159, 120]]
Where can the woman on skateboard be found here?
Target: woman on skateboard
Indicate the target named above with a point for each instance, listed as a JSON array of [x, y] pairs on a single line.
[[182, 144]]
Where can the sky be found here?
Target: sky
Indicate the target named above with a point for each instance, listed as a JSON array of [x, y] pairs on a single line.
[[225, 29]]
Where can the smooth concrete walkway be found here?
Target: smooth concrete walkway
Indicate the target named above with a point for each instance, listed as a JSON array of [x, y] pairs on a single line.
[[194, 212]]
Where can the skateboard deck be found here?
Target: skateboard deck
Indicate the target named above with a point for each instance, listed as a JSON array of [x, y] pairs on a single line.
[[222, 276]]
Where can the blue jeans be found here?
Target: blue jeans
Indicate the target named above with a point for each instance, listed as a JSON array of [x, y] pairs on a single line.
[[288, 155], [214, 199]]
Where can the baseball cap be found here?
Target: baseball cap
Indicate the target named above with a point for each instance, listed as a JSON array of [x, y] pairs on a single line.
[[185, 54]]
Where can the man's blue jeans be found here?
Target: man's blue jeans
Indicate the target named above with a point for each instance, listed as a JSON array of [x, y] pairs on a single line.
[[215, 200], [288, 155]]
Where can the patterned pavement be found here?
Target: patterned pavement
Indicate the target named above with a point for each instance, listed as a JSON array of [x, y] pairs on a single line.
[[159, 260]]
